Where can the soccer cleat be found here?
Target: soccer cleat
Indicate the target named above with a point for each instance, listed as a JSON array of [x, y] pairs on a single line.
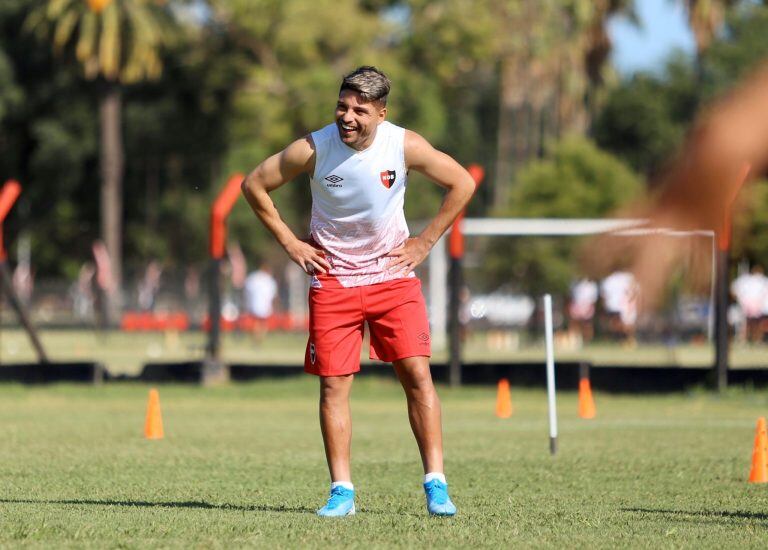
[[438, 501], [340, 503]]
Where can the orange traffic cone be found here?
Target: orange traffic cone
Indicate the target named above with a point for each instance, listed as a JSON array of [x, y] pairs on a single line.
[[586, 403], [153, 426], [503, 400], [759, 471]]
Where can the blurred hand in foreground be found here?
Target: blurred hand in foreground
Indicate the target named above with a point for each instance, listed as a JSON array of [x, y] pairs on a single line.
[[728, 144]]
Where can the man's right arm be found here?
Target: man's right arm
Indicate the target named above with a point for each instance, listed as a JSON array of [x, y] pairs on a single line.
[[296, 159]]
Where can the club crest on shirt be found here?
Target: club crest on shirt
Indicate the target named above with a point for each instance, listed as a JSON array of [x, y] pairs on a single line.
[[388, 178]]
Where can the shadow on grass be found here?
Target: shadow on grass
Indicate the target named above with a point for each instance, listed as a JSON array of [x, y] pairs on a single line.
[[186, 504], [709, 514]]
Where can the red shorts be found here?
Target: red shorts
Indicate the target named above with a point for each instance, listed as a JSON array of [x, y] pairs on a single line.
[[396, 316]]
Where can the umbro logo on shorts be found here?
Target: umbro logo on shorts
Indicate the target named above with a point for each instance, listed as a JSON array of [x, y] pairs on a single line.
[[388, 178], [312, 354], [423, 337]]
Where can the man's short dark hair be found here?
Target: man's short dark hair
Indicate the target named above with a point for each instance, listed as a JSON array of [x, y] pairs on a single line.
[[369, 82]]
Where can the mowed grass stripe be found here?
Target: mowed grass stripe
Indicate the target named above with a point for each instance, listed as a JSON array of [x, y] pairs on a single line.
[[243, 466]]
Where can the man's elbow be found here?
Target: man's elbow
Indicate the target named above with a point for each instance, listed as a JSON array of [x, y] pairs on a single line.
[[244, 186], [249, 186], [467, 188]]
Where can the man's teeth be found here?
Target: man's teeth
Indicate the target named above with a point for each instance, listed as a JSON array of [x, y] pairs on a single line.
[[347, 127]]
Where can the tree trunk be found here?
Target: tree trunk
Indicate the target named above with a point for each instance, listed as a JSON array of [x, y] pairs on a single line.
[[510, 99], [111, 159]]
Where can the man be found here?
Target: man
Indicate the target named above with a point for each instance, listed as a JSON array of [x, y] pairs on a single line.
[[260, 293], [581, 310], [361, 260], [619, 291], [751, 292]]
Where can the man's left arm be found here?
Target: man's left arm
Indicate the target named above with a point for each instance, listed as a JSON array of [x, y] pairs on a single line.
[[445, 172]]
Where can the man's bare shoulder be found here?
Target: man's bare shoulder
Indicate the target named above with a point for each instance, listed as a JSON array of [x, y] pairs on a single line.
[[417, 149], [300, 153]]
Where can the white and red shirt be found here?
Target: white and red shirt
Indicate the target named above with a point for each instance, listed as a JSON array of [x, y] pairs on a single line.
[[357, 204], [619, 292], [583, 298], [751, 291]]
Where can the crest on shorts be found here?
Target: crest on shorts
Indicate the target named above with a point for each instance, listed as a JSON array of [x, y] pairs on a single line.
[[388, 178], [312, 355]]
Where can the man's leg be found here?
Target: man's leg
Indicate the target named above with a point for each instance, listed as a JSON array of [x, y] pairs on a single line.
[[423, 410], [426, 422], [336, 424]]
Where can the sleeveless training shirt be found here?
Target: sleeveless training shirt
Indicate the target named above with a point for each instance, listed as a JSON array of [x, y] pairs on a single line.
[[357, 204]]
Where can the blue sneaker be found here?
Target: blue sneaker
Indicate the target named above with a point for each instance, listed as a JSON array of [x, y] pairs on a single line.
[[340, 503], [438, 501]]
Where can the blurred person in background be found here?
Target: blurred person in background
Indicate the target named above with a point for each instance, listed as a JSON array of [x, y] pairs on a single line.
[[236, 271], [581, 310], [23, 282], [82, 292], [361, 261], [751, 293], [620, 292], [149, 286], [260, 293]]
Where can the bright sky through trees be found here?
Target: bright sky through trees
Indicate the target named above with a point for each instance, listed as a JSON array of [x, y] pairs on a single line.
[[663, 29]]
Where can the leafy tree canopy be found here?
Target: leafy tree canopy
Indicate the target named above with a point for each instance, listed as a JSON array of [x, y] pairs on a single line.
[[578, 180]]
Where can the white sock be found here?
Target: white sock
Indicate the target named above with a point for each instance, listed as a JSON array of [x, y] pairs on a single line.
[[435, 475], [346, 484]]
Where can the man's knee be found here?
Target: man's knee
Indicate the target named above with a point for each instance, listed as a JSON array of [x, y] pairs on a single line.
[[414, 371], [416, 379], [335, 388]]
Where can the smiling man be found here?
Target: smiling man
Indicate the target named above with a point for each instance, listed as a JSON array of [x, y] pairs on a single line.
[[361, 261]]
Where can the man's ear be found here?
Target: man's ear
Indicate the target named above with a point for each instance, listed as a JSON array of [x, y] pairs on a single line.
[[382, 114]]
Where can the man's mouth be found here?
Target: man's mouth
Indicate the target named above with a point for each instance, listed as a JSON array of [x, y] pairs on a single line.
[[347, 128]]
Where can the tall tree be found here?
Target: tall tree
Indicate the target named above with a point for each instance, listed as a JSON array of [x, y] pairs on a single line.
[[705, 18], [597, 45], [539, 63], [117, 42]]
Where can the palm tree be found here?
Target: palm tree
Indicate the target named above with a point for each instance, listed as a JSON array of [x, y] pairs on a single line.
[[117, 42], [705, 18]]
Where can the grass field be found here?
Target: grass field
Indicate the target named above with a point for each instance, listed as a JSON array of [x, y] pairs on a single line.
[[126, 353], [242, 466]]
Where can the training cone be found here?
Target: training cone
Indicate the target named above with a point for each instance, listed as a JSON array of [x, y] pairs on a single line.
[[153, 427], [759, 471], [503, 400], [586, 402]]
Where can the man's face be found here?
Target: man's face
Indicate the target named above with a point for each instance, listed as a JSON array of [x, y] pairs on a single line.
[[357, 119]]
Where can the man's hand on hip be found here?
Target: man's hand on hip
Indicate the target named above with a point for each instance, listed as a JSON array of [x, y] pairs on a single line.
[[309, 258], [408, 256]]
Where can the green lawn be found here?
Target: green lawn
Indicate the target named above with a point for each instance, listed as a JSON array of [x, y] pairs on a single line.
[[126, 353], [242, 465]]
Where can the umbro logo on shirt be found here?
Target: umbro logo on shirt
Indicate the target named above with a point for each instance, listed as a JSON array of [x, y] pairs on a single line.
[[388, 178], [333, 181]]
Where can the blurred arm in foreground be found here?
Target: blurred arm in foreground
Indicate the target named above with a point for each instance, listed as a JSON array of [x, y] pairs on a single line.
[[728, 141]]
